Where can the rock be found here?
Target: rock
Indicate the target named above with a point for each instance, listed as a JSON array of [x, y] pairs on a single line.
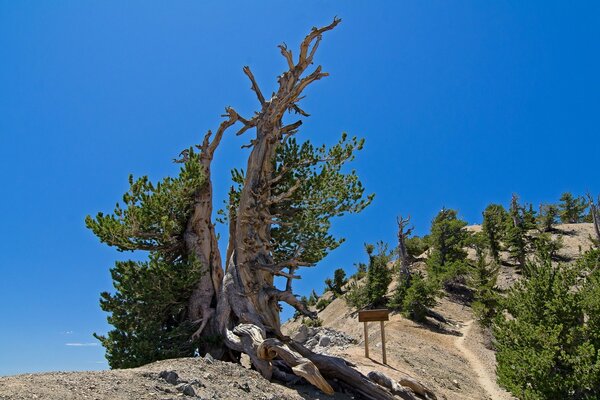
[[301, 335], [324, 341], [208, 358], [186, 389], [170, 376], [244, 386]]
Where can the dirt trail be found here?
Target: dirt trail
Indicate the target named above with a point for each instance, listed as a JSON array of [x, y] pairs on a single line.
[[487, 382]]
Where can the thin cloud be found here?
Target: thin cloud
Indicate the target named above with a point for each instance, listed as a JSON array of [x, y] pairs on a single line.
[[77, 344], [67, 332]]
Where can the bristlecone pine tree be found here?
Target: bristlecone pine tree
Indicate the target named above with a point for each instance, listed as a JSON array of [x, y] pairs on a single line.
[[181, 301]]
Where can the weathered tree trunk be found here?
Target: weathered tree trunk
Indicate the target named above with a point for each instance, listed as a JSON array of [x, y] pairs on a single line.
[[595, 216], [242, 304], [402, 252]]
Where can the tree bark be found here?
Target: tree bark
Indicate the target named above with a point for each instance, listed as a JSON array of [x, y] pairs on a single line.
[[595, 216], [402, 252]]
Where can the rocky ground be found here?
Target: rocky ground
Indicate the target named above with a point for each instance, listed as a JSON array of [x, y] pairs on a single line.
[[187, 378]]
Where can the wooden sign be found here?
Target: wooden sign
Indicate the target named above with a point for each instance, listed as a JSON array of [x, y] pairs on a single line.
[[367, 316], [382, 314]]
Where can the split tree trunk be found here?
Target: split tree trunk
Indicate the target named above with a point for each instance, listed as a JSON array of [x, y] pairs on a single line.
[[242, 305]]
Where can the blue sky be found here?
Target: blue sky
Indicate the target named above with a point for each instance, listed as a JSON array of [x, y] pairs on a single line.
[[461, 104]]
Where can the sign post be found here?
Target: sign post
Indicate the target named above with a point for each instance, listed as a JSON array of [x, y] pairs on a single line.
[[380, 315]]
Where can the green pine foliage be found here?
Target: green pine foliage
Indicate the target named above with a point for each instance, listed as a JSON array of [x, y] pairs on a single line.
[[372, 293], [336, 284], [545, 246], [414, 296], [419, 297], [515, 234], [148, 307], [572, 209], [379, 276], [447, 240], [548, 340], [486, 297], [547, 217], [416, 246], [303, 219], [494, 221], [323, 303]]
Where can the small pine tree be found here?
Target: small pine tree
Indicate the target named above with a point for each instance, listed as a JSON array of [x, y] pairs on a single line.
[[447, 239], [494, 221], [312, 299], [515, 234], [547, 217], [336, 284], [379, 276], [572, 209], [483, 278]]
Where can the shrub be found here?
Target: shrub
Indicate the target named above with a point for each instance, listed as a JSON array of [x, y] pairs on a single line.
[[322, 304]]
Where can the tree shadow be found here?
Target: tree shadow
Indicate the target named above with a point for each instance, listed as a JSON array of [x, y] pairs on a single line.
[[437, 327]]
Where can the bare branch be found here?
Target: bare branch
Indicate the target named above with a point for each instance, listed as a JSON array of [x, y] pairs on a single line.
[[288, 55], [289, 298], [290, 127], [285, 264], [315, 33], [298, 110], [255, 87]]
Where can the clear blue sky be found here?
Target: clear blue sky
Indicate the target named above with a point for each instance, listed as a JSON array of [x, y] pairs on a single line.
[[461, 103]]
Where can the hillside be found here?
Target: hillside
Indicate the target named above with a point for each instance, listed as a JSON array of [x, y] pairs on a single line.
[[452, 358]]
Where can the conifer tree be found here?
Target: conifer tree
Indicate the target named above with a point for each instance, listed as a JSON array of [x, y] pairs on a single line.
[[483, 278], [336, 284], [571, 209], [515, 233], [494, 221], [447, 240], [547, 217], [379, 275]]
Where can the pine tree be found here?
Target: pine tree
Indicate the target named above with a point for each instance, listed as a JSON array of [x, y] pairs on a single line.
[[571, 209], [494, 221], [379, 275], [547, 217], [447, 240], [336, 284], [515, 234], [483, 278]]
